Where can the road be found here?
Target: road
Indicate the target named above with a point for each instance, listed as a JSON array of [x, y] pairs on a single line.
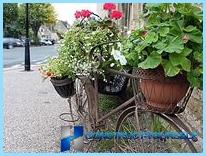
[[15, 56]]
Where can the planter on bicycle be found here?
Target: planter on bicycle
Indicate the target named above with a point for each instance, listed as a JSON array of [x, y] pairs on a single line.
[[113, 84], [168, 41], [63, 86], [162, 93]]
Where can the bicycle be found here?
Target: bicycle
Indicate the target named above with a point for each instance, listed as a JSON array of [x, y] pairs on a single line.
[[133, 115]]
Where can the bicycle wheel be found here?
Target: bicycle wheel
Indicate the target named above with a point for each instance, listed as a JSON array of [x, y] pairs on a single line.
[[141, 120]]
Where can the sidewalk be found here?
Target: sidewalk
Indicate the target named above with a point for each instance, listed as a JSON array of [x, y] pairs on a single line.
[[31, 112]]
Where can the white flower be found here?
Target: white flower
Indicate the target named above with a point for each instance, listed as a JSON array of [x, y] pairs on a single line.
[[119, 44], [119, 57], [123, 60], [105, 80], [112, 65], [116, 54], [129, 32], [125, 27]]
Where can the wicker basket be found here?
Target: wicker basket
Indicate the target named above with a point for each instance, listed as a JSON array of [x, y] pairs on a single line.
[[162, 94]]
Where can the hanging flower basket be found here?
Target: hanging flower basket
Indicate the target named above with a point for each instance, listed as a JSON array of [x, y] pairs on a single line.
[[64, 87], [113, 85], [162, 94]]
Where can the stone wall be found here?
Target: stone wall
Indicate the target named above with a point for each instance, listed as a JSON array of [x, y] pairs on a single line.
[[193, 117]]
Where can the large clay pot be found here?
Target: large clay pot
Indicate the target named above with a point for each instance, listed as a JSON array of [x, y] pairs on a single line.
[[162, 94]]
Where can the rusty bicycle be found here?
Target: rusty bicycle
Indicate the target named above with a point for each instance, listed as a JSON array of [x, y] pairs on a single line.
[[132, 114]]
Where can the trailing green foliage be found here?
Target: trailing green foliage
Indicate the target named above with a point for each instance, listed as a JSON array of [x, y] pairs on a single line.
[[171, 38], [75, 47]]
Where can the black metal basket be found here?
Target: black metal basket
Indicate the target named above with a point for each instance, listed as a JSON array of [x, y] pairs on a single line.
[[114, 84], [64, 87]]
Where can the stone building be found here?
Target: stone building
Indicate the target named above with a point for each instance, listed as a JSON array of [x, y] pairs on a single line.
[[131, 15], [61, 26], [53, 32]]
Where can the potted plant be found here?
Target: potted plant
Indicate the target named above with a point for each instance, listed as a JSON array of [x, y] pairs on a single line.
[[92, 45], [61, 76], [168, 53]]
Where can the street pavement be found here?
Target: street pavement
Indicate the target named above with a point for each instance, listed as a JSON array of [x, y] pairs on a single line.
[[31, 112], [15, 57]]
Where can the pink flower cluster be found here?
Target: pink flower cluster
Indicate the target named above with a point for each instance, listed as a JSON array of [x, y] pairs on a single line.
[[110, 7], [82, 14], [113, 14]]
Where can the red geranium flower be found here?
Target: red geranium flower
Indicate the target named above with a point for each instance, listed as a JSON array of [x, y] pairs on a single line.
[[86, 13], [109, 6], [78, 14], [115, 14]]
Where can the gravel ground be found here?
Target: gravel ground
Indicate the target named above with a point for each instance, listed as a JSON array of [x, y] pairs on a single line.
[[31, 113]]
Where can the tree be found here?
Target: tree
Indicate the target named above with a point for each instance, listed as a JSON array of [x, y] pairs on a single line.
[[10, 15], [39, 14]]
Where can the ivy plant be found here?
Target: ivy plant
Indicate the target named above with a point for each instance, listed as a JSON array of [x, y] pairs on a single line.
[[171, 38]]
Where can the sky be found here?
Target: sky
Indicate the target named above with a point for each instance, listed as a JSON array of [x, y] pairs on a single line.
[[65, 11]]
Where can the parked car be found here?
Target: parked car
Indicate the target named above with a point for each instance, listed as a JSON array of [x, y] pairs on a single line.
[[53, 41], [45, 42], [9, 42]]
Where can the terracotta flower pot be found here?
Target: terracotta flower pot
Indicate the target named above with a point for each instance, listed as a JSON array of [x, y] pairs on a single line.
[[162, 94]]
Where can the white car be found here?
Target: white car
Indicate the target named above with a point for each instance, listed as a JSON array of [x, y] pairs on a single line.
[[46, 42]]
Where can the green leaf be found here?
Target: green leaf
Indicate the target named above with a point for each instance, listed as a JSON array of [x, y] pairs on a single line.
[[141, 46], [175, 45], [189, 10], [178, 59], [186, 64], [186, 51], [164, 31], [190, 28], [159, 51], [153, 20], [152, 61], [195, 81], [169, 68], [132, 58], [152, 5], [195, 36], [198, 56], [160, 45], [176, 29], [151, 37]]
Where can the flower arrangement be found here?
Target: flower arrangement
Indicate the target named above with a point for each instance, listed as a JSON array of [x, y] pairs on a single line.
[[57, 68], [96, 31], [89, 31], [110, 7], [171, 38]]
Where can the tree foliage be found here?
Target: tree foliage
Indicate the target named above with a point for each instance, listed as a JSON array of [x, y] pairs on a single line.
[[10, 14], [15, 15], [39, 14]]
